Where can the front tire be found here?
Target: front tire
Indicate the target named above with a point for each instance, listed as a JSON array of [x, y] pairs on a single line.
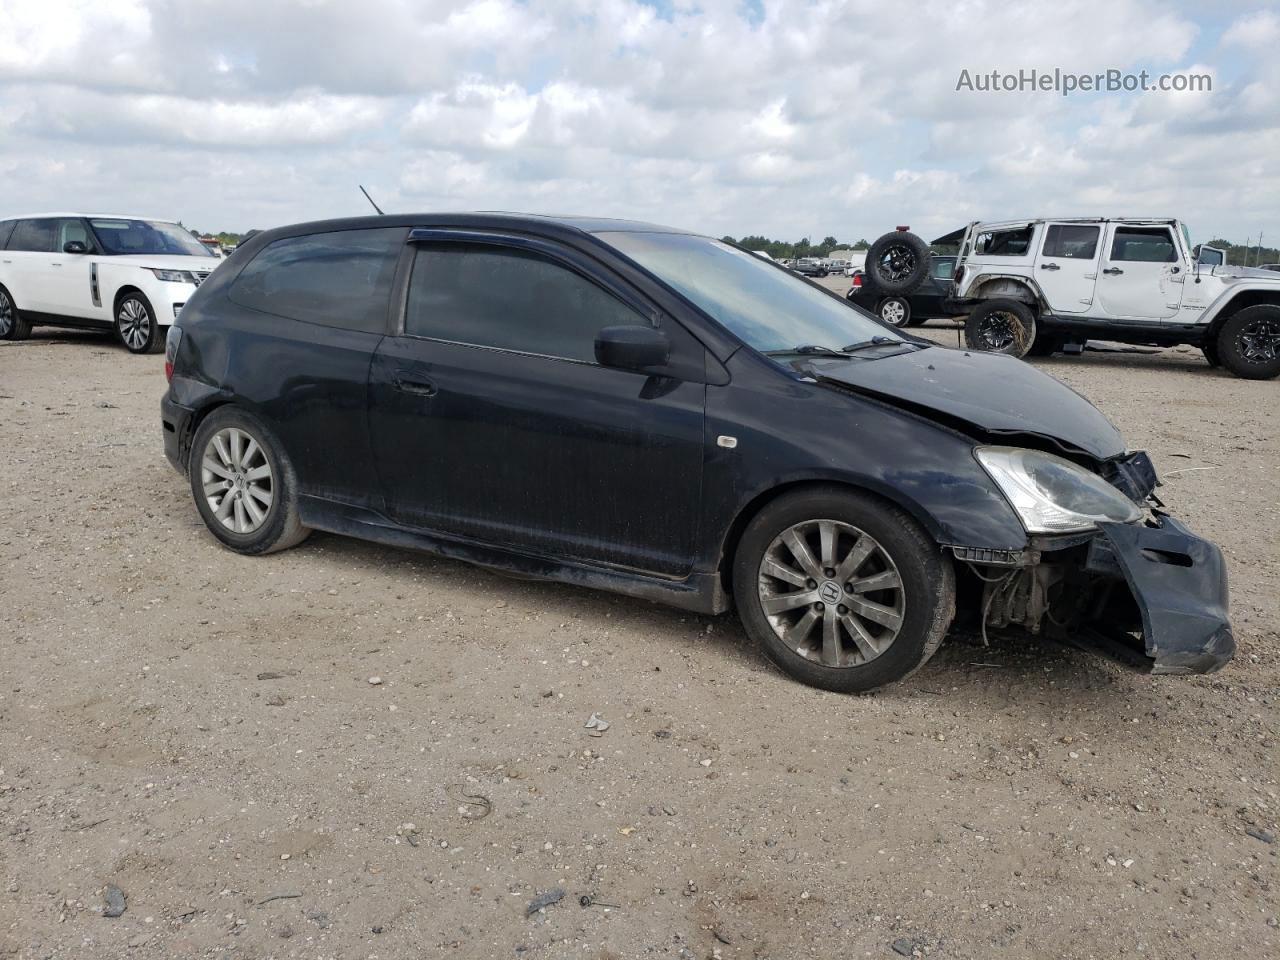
[[843, 591], [1249, 342], [244, 485], [12, 324], [895, 311], [1001, 326], [136, 324]]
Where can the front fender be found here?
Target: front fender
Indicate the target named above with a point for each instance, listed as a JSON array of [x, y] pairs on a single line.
[[923, 467], [1218, 305]]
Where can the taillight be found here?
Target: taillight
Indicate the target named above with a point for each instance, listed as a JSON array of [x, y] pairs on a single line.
[[958, 276], [171, 350], [857, 279]]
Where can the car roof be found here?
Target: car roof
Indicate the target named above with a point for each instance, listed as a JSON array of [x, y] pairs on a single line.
[[996, 224], [90, 216], [490, 219]]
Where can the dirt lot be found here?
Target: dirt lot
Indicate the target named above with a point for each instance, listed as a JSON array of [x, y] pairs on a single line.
[[202, 731]]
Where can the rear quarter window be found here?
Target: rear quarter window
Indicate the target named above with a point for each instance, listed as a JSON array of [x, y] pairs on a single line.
[[6, 228], [1004, 243], [33, 236], [340, 279]]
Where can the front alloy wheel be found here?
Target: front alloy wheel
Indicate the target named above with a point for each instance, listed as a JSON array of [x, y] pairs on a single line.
[[1248, 343], [831, 593], [843, 590], [136, 325]]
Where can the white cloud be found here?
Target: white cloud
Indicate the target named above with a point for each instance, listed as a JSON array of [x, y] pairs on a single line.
[[822, 116]]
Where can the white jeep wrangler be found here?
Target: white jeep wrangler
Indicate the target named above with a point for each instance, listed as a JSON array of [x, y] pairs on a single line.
[[1043, 285]]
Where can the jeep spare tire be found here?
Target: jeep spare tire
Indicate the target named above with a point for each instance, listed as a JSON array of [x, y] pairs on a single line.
[[898, 262], [1001, 326]]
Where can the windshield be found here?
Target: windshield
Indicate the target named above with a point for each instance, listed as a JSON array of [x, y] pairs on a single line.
[[765, 305], [120, 237]]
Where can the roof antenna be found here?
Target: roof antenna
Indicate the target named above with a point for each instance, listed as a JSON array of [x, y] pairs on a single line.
[[369, 198]]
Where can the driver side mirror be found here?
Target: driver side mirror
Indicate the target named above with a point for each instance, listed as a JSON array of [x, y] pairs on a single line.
[[1211, 256], [75, 246], [632, 347]]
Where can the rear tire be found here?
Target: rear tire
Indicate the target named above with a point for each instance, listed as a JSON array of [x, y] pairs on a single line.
[[244, 485], [898, 262], [136, 324], [12, 325], [837, 621], [895, 311], [1249, 342], [1001, 326]]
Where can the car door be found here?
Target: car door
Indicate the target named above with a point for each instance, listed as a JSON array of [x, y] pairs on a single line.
[[1067, 266], [1142, 274], [492, 421], [69, 286], [26, 263]]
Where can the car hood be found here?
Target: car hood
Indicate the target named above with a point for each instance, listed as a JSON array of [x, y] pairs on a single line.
[[1245, 273], [161, 262], [995, 393]]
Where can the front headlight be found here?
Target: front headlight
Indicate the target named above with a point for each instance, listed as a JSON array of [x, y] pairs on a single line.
[[173, 276], [1053, 495]]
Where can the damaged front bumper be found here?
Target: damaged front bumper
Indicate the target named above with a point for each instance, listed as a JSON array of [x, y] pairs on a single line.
[[1179, 583], [1153, 594]]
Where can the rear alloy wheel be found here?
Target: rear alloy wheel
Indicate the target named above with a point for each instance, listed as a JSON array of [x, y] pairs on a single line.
[[895, 311], [12, 326], [136, 325], [1001, 326], [1249, 342], [844, 592], [243, 485]]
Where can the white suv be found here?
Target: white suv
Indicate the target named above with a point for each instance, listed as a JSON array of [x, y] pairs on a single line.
[[1041, 285], [128, 274]]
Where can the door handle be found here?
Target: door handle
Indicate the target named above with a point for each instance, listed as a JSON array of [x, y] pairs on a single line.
[[1113, 270], [421, 388], [1049, 266], [55, 264]]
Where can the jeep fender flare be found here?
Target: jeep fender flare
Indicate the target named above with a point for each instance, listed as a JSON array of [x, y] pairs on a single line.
[[1225, 303], [1008, 286]]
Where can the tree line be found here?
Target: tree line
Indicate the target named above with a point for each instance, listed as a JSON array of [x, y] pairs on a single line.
[[1239, 255], [784, 250]]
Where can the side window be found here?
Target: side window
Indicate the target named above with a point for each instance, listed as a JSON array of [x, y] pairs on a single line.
[[69, 230], [506, 298], [1004, 243], [1071, 242], [340, 279], [6, 228], [943, 268], [1144, 244], [33, 236]]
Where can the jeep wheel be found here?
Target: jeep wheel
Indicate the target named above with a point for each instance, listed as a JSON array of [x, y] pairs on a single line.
[[1249, 342], [1001, 326], [898, 262], [895, 311], [1210, 350]]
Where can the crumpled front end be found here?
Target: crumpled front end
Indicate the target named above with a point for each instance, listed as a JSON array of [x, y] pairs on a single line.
[[1179, 583], [1152, 595]]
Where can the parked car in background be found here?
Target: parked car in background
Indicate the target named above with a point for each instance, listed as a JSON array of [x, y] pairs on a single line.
[[1270, 266], [926, 302], [127, 274], [1041, 285], [658, 413], [810, 267]]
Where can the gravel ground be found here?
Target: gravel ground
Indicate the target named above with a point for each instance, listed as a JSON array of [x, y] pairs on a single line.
[[201, 732]]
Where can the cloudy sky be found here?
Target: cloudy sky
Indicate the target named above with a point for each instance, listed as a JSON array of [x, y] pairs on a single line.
[[787, 117]]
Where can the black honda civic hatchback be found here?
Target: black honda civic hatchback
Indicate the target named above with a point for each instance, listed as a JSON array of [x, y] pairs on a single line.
[[650, 411]]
